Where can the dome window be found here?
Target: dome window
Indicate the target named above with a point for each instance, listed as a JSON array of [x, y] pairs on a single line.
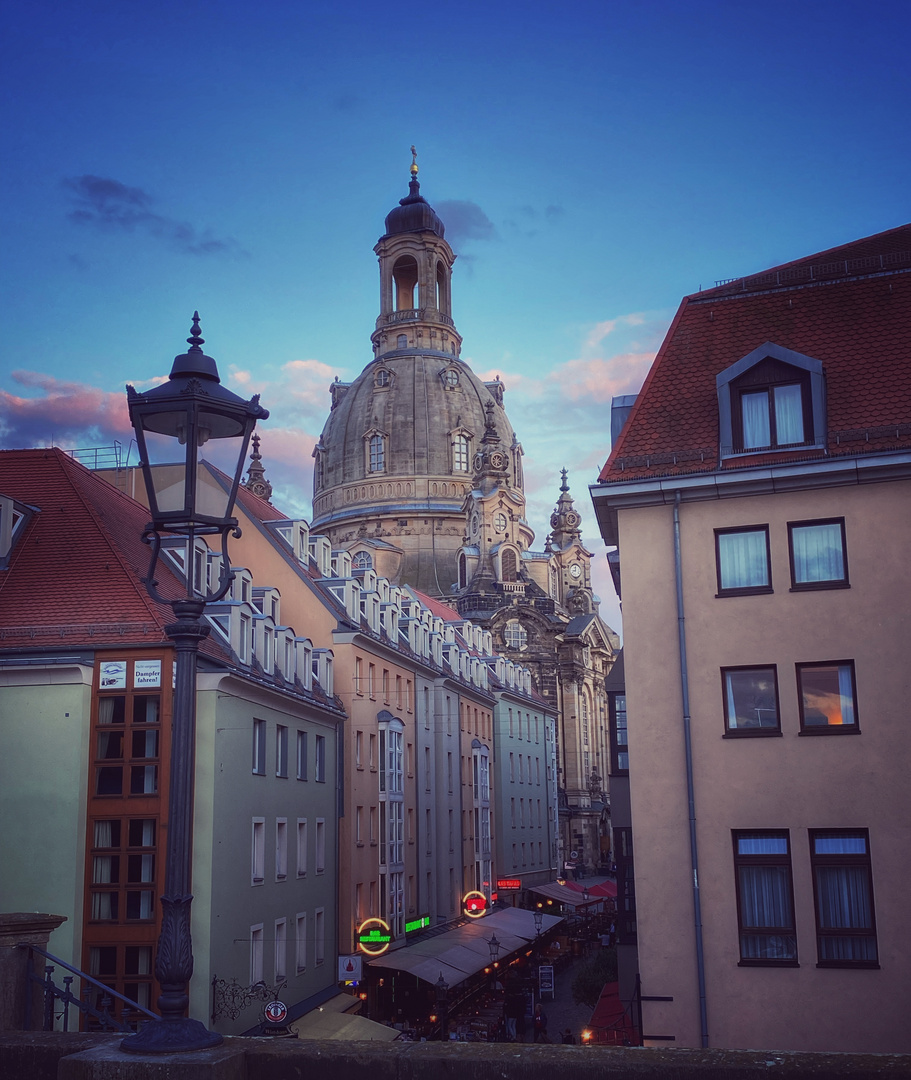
[[450, 377], [461, 452], [382, 380], [375, 451], [401, 341], [362, 560]]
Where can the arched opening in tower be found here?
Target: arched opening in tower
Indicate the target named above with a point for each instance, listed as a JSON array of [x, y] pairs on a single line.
[[405, 279], [442, 290]]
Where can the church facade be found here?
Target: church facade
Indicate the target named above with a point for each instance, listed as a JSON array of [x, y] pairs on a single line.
[[418, 475]]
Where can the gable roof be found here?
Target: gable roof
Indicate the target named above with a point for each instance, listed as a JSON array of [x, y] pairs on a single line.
[[77, 568], [848, 307]]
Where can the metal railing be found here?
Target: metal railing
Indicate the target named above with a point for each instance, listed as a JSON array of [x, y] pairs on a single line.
[[102, 1009]]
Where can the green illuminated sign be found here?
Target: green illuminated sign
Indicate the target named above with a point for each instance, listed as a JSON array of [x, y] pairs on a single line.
[[417, 924]]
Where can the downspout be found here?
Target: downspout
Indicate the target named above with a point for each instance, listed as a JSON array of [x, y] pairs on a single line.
[[690, 787]]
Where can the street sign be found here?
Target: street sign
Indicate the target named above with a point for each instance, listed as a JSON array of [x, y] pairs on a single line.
[[546, 980]]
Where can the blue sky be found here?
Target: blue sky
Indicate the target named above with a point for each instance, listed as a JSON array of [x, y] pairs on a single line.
[[593, 163]]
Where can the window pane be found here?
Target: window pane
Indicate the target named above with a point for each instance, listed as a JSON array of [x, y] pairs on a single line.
[[755, 414], [845, 926], [743, 559], [818, 553], [788, 415], [764, 898], [762, 845], [751, 699], [827, 695]]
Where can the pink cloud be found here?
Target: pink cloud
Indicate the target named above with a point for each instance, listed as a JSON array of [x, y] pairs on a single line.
[[63, 413], [599, 379]]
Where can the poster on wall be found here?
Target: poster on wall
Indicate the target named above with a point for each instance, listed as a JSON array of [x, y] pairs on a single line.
[[146, 673], [113, 675]]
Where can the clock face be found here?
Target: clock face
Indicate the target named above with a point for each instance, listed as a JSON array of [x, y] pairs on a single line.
[[576, 570], [500, 522]]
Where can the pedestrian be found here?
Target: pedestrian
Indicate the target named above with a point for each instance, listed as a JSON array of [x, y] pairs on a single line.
[[540, 1024], [513, 1007], [568, 1038]]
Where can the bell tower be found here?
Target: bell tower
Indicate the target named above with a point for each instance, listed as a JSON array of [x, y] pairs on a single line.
[[415, 279]]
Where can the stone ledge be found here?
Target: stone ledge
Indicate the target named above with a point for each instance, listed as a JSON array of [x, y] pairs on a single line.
[[37, 1056]]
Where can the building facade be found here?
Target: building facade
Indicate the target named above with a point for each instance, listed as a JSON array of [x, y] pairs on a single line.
[[418, 475], [759, 495]]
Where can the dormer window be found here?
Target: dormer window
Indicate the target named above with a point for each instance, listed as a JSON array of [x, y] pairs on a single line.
[[450, 377], [772, 399], [362, 560], [382, 379]]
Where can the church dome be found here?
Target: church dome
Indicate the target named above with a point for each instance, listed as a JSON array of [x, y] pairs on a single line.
[[414, 214]]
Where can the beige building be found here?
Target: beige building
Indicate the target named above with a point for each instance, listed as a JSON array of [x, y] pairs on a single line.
[[759, 495]]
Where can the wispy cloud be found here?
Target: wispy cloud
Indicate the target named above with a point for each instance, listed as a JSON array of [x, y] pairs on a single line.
[[108, 205]]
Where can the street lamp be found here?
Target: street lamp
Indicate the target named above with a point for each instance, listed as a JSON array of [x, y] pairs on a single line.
[[494, 946], [539, 922], [183, 414]]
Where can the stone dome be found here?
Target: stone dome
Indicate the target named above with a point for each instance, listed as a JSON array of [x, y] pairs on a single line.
[[414, 214]]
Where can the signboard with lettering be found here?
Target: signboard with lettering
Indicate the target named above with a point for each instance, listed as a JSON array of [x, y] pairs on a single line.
[[417, 924], [546, 980], [113, 675], [373, 937], [508, 884], [147, 673]]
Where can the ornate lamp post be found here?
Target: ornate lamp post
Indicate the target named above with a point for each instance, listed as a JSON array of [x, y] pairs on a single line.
[[191, 409], [494, 946]]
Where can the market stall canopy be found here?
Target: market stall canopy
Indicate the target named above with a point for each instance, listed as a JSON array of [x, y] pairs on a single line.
[[461, 952]]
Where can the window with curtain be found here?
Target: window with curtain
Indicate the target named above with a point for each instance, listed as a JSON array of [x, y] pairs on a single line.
[[828, 700], [843, 890], [765, 898], [772, 416], [750, 701], [818, 554], [742, 559]]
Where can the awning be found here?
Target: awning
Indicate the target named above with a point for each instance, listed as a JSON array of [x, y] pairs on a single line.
[[461, 952], [572, 893]]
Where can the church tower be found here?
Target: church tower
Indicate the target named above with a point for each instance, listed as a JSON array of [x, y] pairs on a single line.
[[394, 464]]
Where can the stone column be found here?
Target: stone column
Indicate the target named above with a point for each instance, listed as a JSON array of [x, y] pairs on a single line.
[[18, 931]]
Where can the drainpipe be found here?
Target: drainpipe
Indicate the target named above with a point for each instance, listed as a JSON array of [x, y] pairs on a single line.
[[690, 791]]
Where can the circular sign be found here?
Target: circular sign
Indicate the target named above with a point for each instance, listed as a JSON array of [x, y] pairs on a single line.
[[574, 854], [374, 937], [276, 1012], [474, 904]]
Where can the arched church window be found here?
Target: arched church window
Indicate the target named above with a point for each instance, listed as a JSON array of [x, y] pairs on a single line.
[[317, 470], [401, 341], [442, 289], [508, 565], [460, 453], [377, 460], [405, 279], [463, 571], [515, 635], [362, 560]]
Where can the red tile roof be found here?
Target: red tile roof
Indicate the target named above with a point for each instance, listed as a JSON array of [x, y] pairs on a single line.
[[848, 307], [75, 573]]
